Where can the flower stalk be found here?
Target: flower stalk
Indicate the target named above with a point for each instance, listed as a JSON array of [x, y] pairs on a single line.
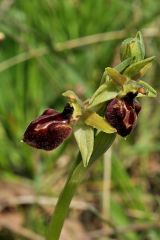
[[102, 143]]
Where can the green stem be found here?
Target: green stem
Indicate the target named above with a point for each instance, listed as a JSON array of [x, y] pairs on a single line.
[[102, 142]]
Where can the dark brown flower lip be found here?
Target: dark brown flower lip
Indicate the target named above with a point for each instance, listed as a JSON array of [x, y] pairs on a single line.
[[122, 113], [50, 129]]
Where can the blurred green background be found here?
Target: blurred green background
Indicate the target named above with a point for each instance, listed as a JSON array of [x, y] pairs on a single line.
[[38, 62]]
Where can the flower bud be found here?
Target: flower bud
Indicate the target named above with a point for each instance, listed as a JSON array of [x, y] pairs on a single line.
[[50, 129], [122, 113], [133, 47]]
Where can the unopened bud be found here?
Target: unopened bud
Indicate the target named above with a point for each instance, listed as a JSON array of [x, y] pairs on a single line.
[[133, 47]]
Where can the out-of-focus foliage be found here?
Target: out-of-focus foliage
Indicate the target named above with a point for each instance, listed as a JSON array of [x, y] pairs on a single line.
[[35, 69]]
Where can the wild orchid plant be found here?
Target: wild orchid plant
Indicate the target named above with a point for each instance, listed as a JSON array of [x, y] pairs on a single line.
[[113, 109]]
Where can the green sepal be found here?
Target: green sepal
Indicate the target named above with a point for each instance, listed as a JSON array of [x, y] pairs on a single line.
[[108, 89], [96, 121], [143, 71], [84, 136], [123, 65], [75, 102], [120, 68], [139, 67], [116, 76], [104, 93]]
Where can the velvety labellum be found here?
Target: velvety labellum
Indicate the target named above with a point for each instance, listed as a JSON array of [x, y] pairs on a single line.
[[49, 130], [122, 113]]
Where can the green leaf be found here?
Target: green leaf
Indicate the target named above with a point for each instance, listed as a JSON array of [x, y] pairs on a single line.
[[116, 76], [134, 69], [96, 121], [84, 136], [150, 92]]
